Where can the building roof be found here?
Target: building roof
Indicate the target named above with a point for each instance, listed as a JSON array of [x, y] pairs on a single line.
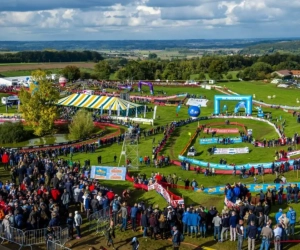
[[295, 72], [284, 72]]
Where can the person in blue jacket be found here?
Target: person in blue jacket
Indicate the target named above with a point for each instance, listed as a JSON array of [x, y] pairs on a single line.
[[277, 215], [232, 223], [193, 221], [291, 215], [133, 214], [229, 194], [185, 221]]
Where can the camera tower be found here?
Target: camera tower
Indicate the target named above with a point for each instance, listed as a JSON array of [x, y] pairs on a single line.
[[130, 151]]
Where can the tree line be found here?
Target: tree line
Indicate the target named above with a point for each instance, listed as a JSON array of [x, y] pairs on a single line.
[[50, 56], [249, 68]]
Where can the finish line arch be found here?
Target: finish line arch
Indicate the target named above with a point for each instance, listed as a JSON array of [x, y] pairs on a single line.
[[246, 98]]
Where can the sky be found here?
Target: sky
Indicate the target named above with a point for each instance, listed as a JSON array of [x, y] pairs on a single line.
[[147, 19]]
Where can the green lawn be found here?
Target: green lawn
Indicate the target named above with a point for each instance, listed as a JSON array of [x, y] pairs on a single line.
[[263, 90]]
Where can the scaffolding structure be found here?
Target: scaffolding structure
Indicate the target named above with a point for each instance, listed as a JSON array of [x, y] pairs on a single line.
[[130, 151]]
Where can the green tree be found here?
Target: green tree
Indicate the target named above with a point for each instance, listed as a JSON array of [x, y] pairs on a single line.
[[202, 76], [39, 107], [85, 75], [82, 125], [11, 132], [229, 76], [102, 70], [152, 56], [71, 72]]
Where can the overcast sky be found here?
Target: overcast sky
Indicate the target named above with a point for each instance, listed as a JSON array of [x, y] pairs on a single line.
[[147, 19]]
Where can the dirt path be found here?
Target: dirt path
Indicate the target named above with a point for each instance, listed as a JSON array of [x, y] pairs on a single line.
[[14, 67]]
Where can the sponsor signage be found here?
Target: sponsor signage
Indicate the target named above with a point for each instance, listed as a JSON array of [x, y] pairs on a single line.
[[108, 173], [222, 130], [231, 151], [197, 102], [216, 140], [252, 188], [297, 152]]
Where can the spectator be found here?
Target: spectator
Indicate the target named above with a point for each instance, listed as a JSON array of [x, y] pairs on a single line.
[[78, 222]]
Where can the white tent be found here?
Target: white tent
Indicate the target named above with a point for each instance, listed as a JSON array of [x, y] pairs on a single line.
[[5, 82]]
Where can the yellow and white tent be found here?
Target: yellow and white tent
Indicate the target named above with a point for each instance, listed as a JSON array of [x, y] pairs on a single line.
[[97, 102]]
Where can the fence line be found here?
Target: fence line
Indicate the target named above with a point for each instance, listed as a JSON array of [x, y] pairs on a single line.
[[27, 238], [99, 215], [55, 245]]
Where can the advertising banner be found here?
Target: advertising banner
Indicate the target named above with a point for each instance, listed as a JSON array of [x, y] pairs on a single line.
[[222, 130], [174, 201], [231, 151], [197, 102], [297, 152], [253, 188], [216, 140], [108, 173]]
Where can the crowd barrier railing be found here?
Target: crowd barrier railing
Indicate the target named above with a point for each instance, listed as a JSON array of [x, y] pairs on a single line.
[[55, 245], [27, 238], [95, 217]]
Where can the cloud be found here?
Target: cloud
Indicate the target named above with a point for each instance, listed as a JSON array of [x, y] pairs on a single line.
[[147, 19], [35, 5]]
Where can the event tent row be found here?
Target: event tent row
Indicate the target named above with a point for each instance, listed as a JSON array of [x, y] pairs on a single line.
[[97, 102]]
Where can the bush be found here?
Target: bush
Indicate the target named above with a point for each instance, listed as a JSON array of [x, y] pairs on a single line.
[[12, 132], [82, 125]]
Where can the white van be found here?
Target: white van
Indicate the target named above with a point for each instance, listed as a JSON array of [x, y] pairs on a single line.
[[10, 99]]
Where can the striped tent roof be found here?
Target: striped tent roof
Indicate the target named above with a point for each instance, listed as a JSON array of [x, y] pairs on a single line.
[[96, 102]]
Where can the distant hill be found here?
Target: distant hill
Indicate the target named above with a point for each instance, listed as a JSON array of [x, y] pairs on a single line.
[[131, 44], [273, 47]]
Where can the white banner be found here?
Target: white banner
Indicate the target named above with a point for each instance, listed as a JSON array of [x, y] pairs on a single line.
[[154, 112], [145, 110], [297, 152], [118, 110], [109, 111], [231, 151], [127, 110], [197, 102]]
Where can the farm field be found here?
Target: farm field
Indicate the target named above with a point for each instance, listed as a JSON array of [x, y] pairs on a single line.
[[43, 66]]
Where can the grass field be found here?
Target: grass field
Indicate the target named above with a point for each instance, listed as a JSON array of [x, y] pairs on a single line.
[[263, 90], [174, 145]]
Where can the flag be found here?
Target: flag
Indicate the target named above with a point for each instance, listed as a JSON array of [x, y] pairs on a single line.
[[127, 111], [136, 113], [190, 134], [109, 111], [178, 108], [145, 110], [101, 110], [154, 112], [118, 110]]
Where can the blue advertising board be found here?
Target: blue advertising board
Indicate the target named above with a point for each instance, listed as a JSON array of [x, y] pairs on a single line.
[[227, 167], [217, 140], [108, 173], [253, 188]]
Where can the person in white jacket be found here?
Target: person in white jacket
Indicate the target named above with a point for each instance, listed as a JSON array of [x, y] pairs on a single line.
[[78, 222]]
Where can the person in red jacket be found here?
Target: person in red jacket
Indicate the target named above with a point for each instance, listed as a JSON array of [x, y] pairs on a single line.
[[110, 195], [5, 160], [55, 194]]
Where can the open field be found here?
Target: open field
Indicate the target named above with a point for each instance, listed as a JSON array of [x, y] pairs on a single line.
[[263, 90], [45, 66]]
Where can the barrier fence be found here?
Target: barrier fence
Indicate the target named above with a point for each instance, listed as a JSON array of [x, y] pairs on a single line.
[[55, 245], [27, 238], [97, 217]]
